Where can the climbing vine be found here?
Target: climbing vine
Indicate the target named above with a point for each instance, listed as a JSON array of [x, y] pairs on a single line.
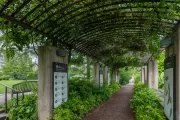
[[94, 28]]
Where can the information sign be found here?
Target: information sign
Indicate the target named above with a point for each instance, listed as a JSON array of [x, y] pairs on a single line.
[[101, 78], [109, 78], [60, 83], [169, 88]]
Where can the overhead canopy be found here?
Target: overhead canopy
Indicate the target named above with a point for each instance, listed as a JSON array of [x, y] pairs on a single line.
[[101, 29]]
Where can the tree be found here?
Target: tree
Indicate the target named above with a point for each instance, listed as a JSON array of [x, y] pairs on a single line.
[[20, 64], [80, 65]]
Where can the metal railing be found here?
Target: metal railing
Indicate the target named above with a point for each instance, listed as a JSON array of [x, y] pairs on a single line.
[[26, 86], [17, 95]]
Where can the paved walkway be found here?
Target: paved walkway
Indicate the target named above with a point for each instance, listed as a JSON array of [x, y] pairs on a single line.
[[117, 108], [2, 98]]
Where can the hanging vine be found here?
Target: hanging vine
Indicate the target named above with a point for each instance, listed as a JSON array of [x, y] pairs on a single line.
[[89, 26]]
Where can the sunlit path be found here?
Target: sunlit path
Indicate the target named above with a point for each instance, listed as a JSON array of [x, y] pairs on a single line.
[[117, 108]]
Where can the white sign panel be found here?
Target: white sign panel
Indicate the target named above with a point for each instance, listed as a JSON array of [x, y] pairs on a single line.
[[169, 89], [60, 88], [109, 78], [101, 80]]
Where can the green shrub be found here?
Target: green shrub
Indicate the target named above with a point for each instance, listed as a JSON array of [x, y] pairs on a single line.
[[26, 110], [161, 80], [125, 77], [126, 74], [4, 77], [32, 75], [146, 104], [83, 97], [137, 78]]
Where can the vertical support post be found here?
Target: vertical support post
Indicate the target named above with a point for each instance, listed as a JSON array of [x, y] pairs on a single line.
[[96, 74], [17, 99], [177, 77], [142, 74], [105, 74], [114, 74], [155, 75], [145, 74], [150, 73], [109, 77], [12, 93], [118, 76], [46, 57], [6, 99]]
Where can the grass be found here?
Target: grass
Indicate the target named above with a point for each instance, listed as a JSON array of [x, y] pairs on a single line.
[[8, 83]]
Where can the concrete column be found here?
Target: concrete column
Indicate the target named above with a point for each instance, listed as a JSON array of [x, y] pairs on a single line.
[[142, 74], [150, 73], [118, 76], [96, 74], [114, 75], [46, 57], [145, 74], [109, 77], [177, 81], [105, 75], [155, 75]]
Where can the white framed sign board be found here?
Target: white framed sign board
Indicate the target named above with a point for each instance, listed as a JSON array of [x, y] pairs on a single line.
[[100, 78], [169, 88], [109, 78], [60, 80]]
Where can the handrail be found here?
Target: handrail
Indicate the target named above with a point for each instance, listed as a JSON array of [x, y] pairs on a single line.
[[10, 87], [6, 87], [25, 82]]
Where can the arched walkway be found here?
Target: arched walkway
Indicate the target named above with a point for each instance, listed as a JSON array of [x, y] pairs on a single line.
[[117, 108]]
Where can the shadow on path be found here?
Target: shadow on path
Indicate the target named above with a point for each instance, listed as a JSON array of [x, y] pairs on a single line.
[[117, 108]]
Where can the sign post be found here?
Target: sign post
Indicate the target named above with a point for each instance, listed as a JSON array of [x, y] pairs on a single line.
[[169, 88]]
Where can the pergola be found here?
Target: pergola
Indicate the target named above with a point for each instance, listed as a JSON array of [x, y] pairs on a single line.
[[101, 29], [115, 32]]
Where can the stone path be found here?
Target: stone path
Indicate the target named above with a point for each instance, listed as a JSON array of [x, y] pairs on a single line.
[[117, 108]]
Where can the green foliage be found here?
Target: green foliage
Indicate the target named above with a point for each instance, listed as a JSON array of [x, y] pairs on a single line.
[[20, 64], [26, 110], [80, 66], [161, 62], [161, 69], [4, 77], [161, 80], [83, 97], [32, 75], [126, 74], [146, 104], [137, 78], [72, 33]]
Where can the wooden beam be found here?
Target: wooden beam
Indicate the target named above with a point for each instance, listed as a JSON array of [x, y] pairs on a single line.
[[20, 7], [6, 5]]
